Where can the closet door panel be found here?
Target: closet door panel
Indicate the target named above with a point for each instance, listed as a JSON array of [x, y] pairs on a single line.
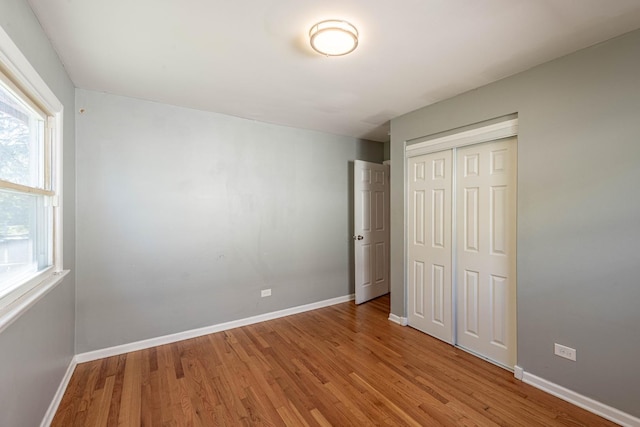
[[430, 268], [486, 249]]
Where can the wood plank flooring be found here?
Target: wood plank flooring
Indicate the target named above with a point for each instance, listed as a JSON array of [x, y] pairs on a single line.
[[337, 366]]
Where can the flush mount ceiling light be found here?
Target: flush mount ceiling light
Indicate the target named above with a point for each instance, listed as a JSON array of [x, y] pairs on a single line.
[[333, 37]]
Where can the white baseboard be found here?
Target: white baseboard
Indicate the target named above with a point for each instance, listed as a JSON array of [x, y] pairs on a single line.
[[193, 333], [598, 408], [403, 321], [518, 372], [57, 398]]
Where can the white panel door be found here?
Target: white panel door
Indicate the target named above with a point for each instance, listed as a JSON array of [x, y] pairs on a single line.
[[371, 228], [429, 250], [486, 249]]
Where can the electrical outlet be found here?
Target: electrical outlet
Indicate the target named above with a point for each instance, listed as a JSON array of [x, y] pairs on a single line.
[[564, 351], [265, 293]]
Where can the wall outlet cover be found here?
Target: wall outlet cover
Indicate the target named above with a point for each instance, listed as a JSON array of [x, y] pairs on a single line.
[[564, 351]]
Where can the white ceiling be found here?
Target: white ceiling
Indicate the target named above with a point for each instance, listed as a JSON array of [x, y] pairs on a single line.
[[251, 58]]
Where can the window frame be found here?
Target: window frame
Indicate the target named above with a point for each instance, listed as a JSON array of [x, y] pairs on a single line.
[[22, 78]]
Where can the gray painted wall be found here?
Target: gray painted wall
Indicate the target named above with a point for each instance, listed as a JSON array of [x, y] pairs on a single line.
[[578, 212], [36, 350], [184, 216]]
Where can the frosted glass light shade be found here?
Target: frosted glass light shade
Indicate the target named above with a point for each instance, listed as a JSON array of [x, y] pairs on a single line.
[[333, 37]]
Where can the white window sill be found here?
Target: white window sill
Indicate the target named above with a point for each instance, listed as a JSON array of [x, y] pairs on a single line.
[[17, 308]]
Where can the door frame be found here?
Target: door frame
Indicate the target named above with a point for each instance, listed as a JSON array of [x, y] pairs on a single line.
[[432, 144]]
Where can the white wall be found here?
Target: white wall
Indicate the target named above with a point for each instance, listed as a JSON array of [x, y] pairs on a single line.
[[184, 216], [36, 350]]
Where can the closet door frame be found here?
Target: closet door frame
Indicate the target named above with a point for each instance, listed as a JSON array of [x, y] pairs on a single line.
[[433, 144]]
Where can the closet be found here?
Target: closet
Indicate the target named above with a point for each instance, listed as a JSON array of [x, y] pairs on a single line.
[[461, 264]]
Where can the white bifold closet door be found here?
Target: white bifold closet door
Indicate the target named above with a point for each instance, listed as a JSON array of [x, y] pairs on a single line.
[[430, 251], [476, 211], [486, 250]]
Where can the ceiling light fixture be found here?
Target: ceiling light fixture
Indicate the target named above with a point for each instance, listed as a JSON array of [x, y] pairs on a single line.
[[333, 37]]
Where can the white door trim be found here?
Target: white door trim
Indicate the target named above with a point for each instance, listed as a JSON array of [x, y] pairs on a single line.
[[427, 144]]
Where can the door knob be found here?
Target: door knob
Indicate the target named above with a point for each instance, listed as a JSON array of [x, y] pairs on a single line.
[[358, 237]]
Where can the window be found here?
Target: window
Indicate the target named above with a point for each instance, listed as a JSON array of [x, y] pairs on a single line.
[[30, 174]]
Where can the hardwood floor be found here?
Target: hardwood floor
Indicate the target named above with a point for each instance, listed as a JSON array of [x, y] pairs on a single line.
[[341, 365]]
